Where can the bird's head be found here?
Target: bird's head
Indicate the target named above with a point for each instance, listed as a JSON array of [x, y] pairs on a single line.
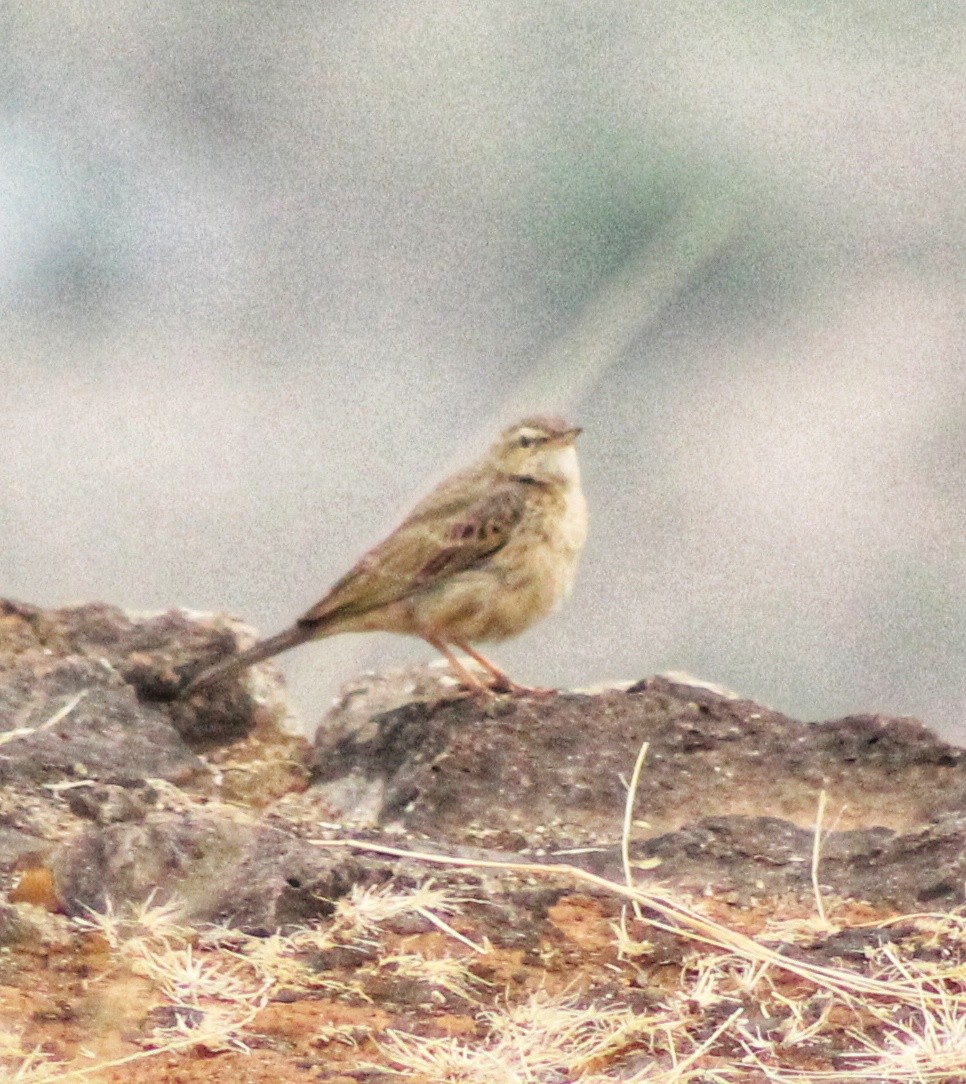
[[540, 448]]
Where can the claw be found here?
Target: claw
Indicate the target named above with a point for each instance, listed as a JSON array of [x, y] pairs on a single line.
[[505, 685]]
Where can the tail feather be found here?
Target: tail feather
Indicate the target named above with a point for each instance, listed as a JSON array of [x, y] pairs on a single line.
[[264, 649]]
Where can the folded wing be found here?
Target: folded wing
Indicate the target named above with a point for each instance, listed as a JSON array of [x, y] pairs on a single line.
[[451, 531]]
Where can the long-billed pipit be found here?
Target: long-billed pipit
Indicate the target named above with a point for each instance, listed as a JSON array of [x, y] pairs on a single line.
[[486, 554]]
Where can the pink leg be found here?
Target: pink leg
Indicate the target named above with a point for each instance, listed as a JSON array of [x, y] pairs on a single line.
[[466, 677], [501, 683]]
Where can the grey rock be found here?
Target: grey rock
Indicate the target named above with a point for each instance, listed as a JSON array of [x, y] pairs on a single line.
[[766, 857], [15, 845], [152, 653], [108, 803], [555, 770], [257, 877], [71, 718]]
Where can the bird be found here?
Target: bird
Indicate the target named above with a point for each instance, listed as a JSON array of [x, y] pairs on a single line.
[[486, 554]]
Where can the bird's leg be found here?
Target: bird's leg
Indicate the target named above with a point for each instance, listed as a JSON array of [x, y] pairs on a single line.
[[501, 681], [477, 688]]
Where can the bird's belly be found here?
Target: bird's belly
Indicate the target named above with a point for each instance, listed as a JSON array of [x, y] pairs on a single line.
[[501, 599]]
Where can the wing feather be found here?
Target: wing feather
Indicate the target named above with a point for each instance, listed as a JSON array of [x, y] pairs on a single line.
[[455, 528]]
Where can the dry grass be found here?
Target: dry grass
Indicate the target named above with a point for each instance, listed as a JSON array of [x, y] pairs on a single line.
[[741, 1009], [902, 1019], [210, 985], [23, 1063], [541, 1039]]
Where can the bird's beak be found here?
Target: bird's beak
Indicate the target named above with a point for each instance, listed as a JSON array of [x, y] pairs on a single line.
[[568, 436]]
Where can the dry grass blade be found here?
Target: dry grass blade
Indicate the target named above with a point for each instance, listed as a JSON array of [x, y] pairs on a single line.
[[629, 820], [676, 918], [58, 716], [542, 1040]]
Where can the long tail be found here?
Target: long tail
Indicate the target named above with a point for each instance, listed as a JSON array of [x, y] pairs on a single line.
[[264, 649]]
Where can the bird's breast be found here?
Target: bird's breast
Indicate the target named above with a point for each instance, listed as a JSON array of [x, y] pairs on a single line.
[[559, 530]]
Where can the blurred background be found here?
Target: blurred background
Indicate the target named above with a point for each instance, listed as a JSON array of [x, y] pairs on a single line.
[[267, 272]]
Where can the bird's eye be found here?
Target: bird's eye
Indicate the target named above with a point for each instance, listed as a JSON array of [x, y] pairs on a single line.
[[527, 441]]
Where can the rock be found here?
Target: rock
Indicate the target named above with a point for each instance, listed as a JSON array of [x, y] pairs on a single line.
[[547, 778], [72, 718], [114, 792], [110, 804], [153, 653], [16, 845], [89, 729], [554, 771], [25, 924], [726, 801], [219, 868], [764, 857]]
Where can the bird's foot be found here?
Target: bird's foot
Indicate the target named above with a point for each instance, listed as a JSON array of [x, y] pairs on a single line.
[[507, 687]]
